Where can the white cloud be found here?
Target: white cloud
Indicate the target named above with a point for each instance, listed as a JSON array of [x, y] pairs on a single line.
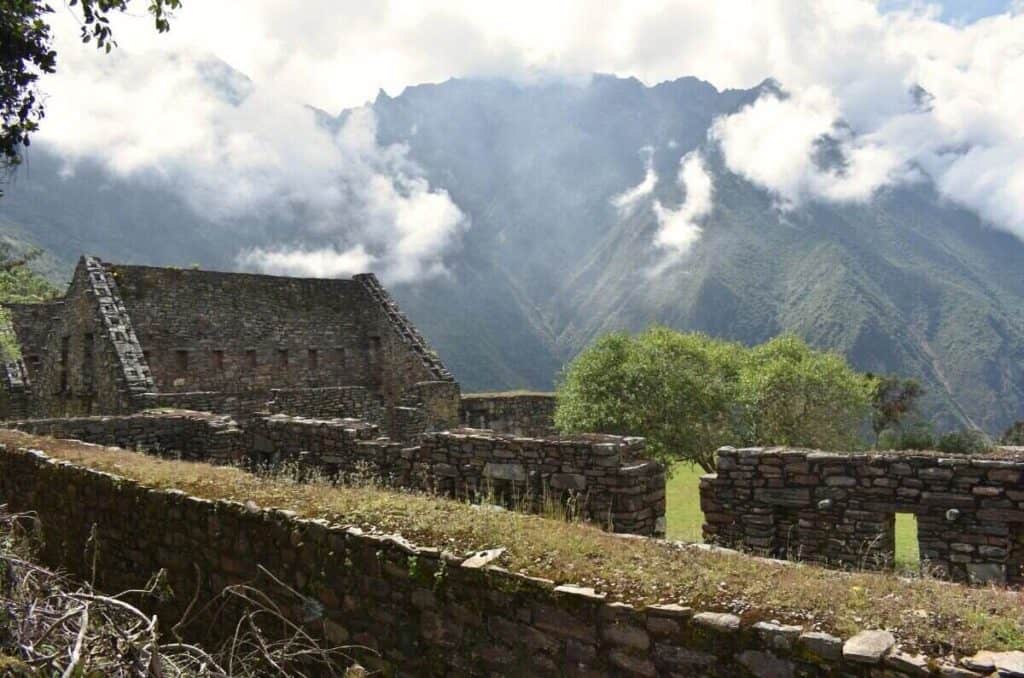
[[245, 155], [326, 262], [628, 200], [678, 229], [850, 69], [774, 142]]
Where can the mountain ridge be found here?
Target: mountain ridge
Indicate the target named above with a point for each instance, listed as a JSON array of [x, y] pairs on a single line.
[[906, 282]]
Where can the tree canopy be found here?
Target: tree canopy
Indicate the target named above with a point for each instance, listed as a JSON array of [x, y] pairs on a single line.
[[18, 283], [26, 53], [689, 394]]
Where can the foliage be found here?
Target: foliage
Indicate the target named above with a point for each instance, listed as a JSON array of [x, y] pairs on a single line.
[[18, 283], [920, 436], [689, 394], [893, 400], [676, 389], [792, 395], [26, 53], [965, 441], [1014, 435]]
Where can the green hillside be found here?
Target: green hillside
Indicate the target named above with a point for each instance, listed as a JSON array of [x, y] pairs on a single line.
[[905, 283]]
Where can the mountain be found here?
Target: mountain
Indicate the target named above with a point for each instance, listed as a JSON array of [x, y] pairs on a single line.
[[906, 283]]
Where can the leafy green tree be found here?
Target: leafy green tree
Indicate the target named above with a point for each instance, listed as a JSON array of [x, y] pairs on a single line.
[[26, 53], [18, 283], [689, 394], [893, 401], [793, 395], [678, 390]]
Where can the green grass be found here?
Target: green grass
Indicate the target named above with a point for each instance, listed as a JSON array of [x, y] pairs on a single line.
[[683, 517], [926, 615], [907, 553]]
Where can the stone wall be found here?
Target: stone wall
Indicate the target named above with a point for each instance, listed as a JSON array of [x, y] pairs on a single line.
[[327, 403], [406, 609], [839, 508], [229, 332], [31, 324], [15, 393], [224, 341], [241, 406], [522, 414], [603, 479], [91, 358], [190, 435]]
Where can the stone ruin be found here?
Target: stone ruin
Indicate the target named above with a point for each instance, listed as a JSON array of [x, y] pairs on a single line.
[[839, 509], [231, 367]]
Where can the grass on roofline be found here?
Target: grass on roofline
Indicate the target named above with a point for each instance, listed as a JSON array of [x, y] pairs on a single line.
[[925, 615]]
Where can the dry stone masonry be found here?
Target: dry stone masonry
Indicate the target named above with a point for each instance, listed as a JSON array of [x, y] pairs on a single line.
[[839, 509], [603, 479], [129, 338], [414, 610], [522, 414], [199, 436]]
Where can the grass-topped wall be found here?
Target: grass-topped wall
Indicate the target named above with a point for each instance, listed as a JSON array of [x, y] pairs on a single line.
[[432, 586]]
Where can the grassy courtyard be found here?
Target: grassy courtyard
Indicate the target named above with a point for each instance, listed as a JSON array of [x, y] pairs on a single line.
[[684, 518]]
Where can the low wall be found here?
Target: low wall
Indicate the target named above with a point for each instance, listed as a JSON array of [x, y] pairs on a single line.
[[327, 402], [604, 479], [241, 406], [191, 435], [839, 508], [405, 609], [522, 414]]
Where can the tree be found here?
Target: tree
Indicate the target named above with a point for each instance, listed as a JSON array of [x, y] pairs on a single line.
[[893, 400], [793, 395], [18, 283], [1013, 435], [689, 394], [677, 390], [26, 53]]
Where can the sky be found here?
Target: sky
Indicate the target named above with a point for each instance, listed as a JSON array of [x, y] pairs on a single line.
[[906, 91]]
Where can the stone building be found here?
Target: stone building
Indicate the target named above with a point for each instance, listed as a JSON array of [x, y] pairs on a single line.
[[126, 338]]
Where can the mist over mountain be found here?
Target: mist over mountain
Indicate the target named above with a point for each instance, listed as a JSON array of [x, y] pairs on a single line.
[[586, 207]]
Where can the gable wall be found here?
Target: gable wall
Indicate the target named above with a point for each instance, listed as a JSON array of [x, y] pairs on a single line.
[[211, 331], [93, 361]]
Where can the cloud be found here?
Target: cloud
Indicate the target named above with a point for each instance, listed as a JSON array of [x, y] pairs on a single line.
[[245, 156], [678, 229], [627, 201], [798, 147], [876, 98]]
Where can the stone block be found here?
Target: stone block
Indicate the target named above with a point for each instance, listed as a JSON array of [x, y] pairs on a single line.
[[568, 481], [626, 635], [868, 647], [986, 573], [510, 472], [795, 497], [765, 665]]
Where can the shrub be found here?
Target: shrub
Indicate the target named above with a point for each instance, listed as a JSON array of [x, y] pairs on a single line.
[[918, 437], [965, 441], [1014, 435]]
